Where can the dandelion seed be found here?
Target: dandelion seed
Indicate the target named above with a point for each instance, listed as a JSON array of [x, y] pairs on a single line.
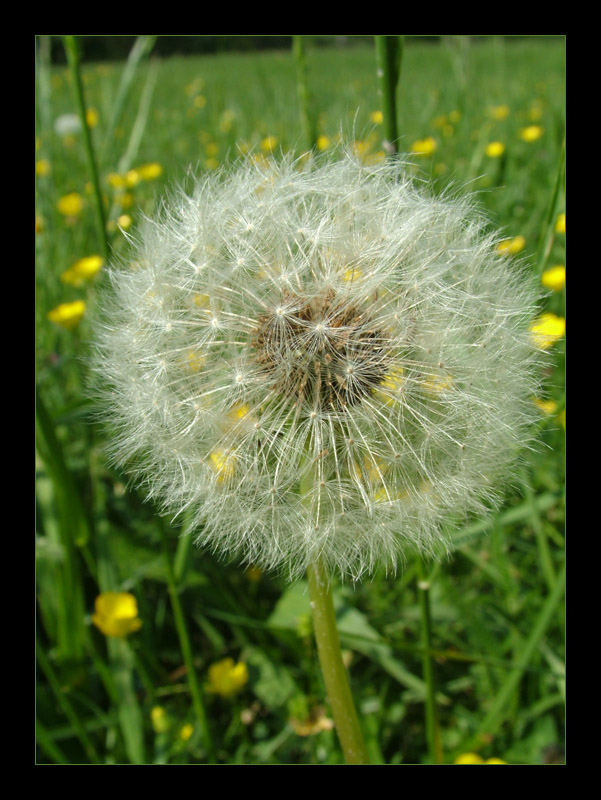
[[318, 361], [116, 614]]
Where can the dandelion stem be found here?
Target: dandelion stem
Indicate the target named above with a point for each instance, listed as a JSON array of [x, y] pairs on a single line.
[[389, 51], [332, 667], [298, 50], [72, 52], [432, 727]]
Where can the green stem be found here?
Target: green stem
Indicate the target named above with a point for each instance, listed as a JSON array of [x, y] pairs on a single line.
[[304, 98], [432, 727], [186, 648], [389, 51], [332, 667], [72, 52], [548, 228]]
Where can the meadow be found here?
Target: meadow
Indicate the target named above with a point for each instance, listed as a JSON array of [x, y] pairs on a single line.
[[150, 651]]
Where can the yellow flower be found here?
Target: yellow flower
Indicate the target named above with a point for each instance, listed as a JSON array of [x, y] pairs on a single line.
[[561, 418], [499, 112], [160, 720], [511, 246], [200, 101], [323, 142], [211, 163], [227, 678], [132, 178], [437, 384], [554, 278], [531, 133], [469, 758], [116, 614], [546, 406], [424, 147], [223, 464], [116, 181], [392, 384], [560, 224], [269, 143], [547, 329], [186, 732], [68, 315], [495, 761], [376, 117], [82, 270], [126, 200], [92, 117], [253, 573], [124, 221], [70, 205], [316, 722], [42, 167], [149, 172], [495, 149]]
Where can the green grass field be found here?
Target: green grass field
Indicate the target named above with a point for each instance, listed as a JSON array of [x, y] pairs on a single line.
[[497, 607]]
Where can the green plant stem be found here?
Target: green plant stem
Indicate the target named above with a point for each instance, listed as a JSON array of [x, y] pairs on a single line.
[[332, 667], [72, 52], [432, 727], [186, 648], [548, 228], [304, 98], [389, 51]]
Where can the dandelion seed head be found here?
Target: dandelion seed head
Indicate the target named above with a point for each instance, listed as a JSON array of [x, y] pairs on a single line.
[[318, 360]]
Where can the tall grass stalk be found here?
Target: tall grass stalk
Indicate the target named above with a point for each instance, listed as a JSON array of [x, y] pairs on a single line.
[[432, 727], [304, 97], [72, 51]]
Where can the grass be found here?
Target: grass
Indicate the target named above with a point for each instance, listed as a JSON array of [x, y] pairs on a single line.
[[496, 607]]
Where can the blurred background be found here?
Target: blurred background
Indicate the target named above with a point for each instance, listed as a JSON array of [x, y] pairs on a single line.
[[150, 651]]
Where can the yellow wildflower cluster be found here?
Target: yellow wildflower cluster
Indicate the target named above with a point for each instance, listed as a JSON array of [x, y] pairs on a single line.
[[227, 678], [116, 614], [145, 172]]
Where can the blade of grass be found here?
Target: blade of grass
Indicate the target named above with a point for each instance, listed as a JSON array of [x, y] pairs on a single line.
[[304, 97], [548, 228]]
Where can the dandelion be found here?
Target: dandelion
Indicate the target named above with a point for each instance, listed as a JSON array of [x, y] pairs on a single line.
[[116, 614], [70, 205], [531, 133], [554, 278], [82, 271], [424, 147], [227, 678], [547, 329], [68, 315], [495, 149], [323, 363], [511, 247]]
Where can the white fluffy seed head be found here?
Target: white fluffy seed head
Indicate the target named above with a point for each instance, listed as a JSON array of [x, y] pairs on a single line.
[[317, 361]]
